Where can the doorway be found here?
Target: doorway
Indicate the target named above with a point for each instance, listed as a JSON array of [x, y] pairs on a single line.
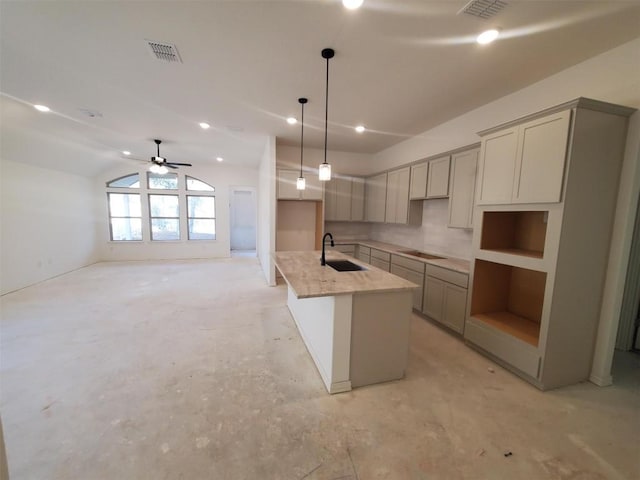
[[243, 219]]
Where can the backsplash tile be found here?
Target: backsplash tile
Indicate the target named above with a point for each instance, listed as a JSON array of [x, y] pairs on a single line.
[[433, 236]]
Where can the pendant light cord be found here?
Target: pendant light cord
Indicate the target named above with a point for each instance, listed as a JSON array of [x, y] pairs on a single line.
[[301, 138], [326, 112]]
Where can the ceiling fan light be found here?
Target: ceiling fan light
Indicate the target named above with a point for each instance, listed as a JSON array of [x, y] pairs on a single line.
[[154, 168], [300, 183], [162, 169]]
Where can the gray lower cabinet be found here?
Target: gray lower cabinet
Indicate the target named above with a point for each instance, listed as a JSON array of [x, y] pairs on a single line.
[[412, 270], [347, 249], [364, 254], [381, 264], [445, 301], [412, 276], [380, 259]]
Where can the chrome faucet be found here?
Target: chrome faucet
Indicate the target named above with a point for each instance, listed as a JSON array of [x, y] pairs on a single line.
[[323, 262]]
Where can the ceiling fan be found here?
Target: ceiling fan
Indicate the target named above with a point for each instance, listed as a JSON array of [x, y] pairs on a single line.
[[159, 164]]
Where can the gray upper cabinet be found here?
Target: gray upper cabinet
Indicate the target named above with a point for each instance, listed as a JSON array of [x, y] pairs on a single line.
[[542, 148], [462, 188], [397, 196], [418, 188], [525, 163], [357, 199], [375, 198], [344, 199], [438, 178]]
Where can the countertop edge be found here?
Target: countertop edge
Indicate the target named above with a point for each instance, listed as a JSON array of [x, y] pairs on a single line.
[[395, 250]]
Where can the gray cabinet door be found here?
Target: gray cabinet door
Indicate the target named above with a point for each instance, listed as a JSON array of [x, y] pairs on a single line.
[[455, 304], [433, 298], [414, 277]]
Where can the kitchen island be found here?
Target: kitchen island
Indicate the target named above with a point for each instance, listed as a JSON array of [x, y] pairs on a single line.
[[355, 324]]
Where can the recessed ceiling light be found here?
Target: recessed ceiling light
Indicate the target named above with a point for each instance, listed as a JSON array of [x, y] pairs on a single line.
[[219, 159], [126, 152], [292, 120], [41, 108], [360, 128], [487, 36], [204, 125], [352, 4]]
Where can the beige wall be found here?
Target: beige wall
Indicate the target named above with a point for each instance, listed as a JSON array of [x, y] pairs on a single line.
[[267, 210], [49, 224]]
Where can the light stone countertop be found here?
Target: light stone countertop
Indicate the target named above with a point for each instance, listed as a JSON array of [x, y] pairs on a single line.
[[456, 264], [307, 278]]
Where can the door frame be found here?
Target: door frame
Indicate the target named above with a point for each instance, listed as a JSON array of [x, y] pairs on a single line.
[[244, 188]]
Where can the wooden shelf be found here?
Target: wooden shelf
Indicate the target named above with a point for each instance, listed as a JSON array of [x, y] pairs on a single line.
[[517, 251], [517, 233], [519, 327]]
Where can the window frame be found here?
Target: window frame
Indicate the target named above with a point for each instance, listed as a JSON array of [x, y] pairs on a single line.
[[146, 218], [152, 217], [111, 216], [215, 231]]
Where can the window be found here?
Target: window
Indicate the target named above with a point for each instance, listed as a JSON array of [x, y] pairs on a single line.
[[125, 216], [201, 217], [157, 210], [165, 217], [162, 181], [130, 181], [195, 184]]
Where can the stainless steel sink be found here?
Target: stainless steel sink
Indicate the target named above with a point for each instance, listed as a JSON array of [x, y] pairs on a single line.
[[415, 253], [344, 266]]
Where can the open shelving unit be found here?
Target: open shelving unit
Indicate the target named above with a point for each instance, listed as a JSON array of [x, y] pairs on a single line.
[[547, 188], [509, 299], [518, 233]]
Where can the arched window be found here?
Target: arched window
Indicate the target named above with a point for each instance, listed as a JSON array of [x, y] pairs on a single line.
[[166, 197]]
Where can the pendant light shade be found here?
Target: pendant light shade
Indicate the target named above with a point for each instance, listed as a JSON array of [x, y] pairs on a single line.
[[324, 171], [300, 182]]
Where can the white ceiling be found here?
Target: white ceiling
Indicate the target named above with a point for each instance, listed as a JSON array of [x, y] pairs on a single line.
[[401, 67]]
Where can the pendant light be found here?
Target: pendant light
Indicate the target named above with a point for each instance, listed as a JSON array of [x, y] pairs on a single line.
[[300, 183], [324, 171]]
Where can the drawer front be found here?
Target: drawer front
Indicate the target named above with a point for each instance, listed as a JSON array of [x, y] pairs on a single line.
[[415, 265], [347, 249], [414, 277], [379, 254], [519, 354], [376, 262], [364, 257], [457, 278], [363, 249]]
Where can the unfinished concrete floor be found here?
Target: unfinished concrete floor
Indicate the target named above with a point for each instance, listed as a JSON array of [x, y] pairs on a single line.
[[195, 370]]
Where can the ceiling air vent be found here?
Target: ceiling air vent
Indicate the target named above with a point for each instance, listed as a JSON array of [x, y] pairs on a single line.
[[483, 8], [164, 51]]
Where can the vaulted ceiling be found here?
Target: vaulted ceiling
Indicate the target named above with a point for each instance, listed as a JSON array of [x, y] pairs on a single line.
[[401, 67]]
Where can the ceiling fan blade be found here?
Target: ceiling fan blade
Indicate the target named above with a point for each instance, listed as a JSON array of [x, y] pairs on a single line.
[[178, 163], [168, 165]]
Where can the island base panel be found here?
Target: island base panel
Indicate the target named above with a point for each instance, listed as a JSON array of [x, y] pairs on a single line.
[[380, 337], [324, 324]]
